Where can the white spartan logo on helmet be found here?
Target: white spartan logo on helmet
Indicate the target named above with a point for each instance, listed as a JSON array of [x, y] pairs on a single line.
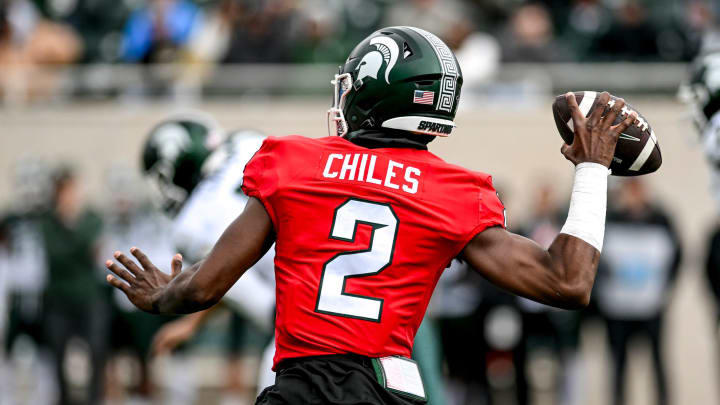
[[171, 139], [386, 50]]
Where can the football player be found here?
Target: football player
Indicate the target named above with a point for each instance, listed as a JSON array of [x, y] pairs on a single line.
[[702, 92], [364, 223], [196, 170], [219, 170]]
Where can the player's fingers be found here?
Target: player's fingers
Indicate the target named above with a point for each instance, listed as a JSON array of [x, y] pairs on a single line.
[[143, 259], [124, 287], [575, 113], [565, 150], [598, 109], [176, 265], [119, 271], [128, 263], [619, 128], [609, 118]]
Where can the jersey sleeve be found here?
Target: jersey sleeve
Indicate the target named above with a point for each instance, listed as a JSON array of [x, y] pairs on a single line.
[[260, 177], [491, 211]]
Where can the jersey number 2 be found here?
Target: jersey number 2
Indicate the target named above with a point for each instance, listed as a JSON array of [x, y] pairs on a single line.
[[332, 298]]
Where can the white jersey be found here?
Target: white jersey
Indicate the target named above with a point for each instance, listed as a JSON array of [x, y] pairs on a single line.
[[211, 207], [147, 229], [711, 144]]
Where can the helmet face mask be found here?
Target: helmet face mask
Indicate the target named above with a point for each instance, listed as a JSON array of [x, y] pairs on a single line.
[[165, 195], [337, 126], [400, 78]]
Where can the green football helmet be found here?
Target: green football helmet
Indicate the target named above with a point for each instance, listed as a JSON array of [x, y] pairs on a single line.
[[174, 154], [702, 91], [400, 78]]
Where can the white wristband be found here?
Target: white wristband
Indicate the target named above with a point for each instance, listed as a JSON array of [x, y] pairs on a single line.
[[586, 216]]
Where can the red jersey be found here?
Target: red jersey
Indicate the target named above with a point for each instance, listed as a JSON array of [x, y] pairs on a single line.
[[362, 236]]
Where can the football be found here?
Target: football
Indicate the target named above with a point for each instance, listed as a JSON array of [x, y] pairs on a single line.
[[637, 151]]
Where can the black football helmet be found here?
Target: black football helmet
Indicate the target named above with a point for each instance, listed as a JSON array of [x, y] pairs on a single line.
[[174, 154]]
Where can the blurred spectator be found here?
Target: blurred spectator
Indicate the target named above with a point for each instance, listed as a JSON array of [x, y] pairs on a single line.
[[712, 271], [129, 222], [76, 304], [26, 283], [530, 37], [28, 41], [210, 41], [642, 256], [4, 273], [455, 308], [157, 32], [28, 362], [632, 36], [548, 355], [441, 18], [99, 25], [680, 34], [262, 32], [322, 36], [586, 21]]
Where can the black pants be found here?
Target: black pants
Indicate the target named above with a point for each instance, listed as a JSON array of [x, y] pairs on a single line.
[[88, 324], [619, 334], [322, 380], [24, 318]]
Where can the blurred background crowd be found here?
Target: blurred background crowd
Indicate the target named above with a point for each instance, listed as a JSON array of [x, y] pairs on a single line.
[[203, 34], [81, 82], [300, 31]]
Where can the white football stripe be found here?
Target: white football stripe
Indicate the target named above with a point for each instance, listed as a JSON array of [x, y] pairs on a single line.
[[585, 105], [644, 155], [587, 102]]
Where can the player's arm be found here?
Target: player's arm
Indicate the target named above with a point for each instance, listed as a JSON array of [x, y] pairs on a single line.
[[562, 275], [242, 244]]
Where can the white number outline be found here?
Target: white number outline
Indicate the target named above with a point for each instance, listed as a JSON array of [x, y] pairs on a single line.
[[375, 226]]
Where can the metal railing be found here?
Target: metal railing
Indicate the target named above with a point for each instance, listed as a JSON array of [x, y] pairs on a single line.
[[22, 85]]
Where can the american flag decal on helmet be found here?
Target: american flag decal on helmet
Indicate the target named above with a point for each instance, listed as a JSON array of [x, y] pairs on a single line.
[[424, 97]]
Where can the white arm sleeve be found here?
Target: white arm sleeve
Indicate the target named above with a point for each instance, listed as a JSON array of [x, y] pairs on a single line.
[[586, 216]]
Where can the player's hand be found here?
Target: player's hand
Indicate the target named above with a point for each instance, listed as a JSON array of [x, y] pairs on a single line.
[[595, 136], [173, 334], [143, 286]]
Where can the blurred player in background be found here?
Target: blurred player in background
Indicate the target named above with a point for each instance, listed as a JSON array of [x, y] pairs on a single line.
[[76, 304], [32, 185], [548, 353], [702, 93], [27, 373], [642, 257], [196, 170], [127, 219], [454, 308], [365, 223]]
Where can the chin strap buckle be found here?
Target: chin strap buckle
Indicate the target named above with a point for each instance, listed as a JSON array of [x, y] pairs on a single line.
[[357, 85]]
